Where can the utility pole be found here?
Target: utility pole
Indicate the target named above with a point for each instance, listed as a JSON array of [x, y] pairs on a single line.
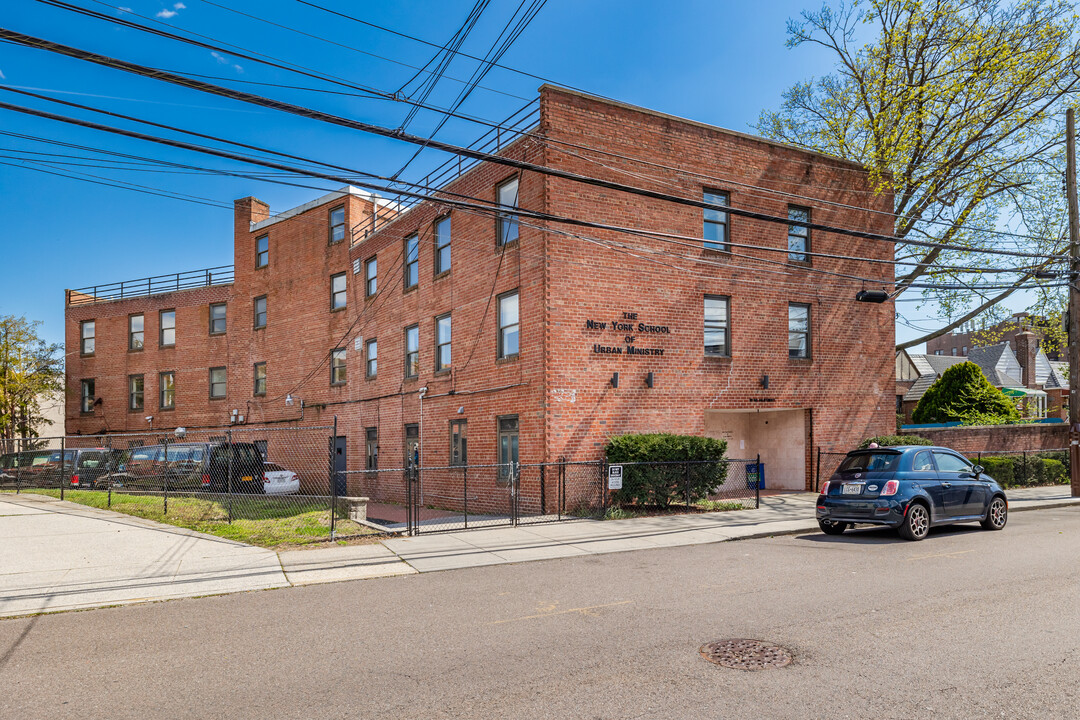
[[1074, 304]]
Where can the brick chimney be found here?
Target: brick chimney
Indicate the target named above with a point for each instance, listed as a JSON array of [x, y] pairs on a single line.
[[1027, 345]]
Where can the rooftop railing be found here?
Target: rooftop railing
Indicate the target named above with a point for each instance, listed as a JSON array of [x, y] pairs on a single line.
[[494, 140], [156, 285]]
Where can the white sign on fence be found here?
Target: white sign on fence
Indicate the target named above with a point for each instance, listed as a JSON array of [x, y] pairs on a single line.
[[614, 477]]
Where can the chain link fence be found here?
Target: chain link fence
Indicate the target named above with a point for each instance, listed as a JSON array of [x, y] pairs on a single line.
[[262, 485]]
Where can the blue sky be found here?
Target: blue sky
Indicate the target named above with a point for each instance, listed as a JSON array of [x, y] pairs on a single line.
[[719, 62]]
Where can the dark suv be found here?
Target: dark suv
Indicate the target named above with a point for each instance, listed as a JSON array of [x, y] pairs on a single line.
[[78, 468], [191, 467]]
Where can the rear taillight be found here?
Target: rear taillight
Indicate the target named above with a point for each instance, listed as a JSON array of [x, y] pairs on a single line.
[[891, 487], [205, 479], [74, 479], [825, 488], [266, 478]]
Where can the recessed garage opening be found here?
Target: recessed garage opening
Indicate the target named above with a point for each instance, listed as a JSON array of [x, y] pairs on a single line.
[[779, 436]]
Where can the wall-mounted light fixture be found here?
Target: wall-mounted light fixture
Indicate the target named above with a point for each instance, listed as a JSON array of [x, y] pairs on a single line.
[[649, 380], [765, 382], [615, 380]]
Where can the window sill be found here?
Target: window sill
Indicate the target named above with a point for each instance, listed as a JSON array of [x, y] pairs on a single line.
[[259, 327], [411, 288], [217, 334], [136, 410], [717, 252], [508, 245], [134, 350], [339, 309], [167, 347], [86, 355], [441, 275], [507, 359], [216, 397], [262, 394], [339, 384], [167, 409], [411, 378], [263, 267], [371, 377], [801, 360], [86, 413], [721, 358], [372, 296], [799, 263], [443, 372]]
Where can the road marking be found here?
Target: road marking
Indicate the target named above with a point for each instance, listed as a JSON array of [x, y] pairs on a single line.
[[581, 610], [949, 554]]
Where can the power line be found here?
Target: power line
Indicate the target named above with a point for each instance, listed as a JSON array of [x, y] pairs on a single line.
[[136, 69]]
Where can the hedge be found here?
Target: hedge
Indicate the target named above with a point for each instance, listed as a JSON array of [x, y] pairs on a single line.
[[893, 440], [649, 478], [1018, 471]]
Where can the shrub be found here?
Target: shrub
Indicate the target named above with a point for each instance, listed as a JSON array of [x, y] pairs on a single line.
[[1000, 468], [892, 440], [963, 393], [1018, 471], [647, 480]]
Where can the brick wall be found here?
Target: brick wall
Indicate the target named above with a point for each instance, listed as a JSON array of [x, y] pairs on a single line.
[[1008, 438]]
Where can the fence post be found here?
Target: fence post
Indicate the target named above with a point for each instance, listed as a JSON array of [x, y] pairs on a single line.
[[817, 477], [110, 465], [603, 486], [465, 484], [757, 483], [165, 478], [62, 468], [18, 468], [543, 498], [333, 481], [562, 487], [1025, 467], [229, 450]]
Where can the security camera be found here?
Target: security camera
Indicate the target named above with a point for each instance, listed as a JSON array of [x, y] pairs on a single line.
[[149, 418], [180, 432]]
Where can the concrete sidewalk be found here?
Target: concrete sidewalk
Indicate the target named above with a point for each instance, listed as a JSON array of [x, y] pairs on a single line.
[[61, 556]]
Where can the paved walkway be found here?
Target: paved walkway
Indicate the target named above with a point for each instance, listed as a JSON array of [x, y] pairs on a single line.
[[61, 556]]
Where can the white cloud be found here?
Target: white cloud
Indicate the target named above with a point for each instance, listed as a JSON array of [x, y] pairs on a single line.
[[238, 69], [4, 77], [219, 57], [180, 6], [167, 14], [123, 9]]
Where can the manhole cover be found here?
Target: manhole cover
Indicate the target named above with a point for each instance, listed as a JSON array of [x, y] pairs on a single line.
[[744, 654]]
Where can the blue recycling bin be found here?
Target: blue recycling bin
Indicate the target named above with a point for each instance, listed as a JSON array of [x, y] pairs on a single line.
[[755, 473]]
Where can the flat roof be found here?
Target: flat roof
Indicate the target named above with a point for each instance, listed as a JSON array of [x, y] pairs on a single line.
[[329, 197]]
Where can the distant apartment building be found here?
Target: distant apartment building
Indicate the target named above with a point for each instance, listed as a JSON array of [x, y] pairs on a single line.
[[489, 338]]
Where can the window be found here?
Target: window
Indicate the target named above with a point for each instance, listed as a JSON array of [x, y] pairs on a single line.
[[166, 391], [412, 444], [167, 328], [922, 462], [371, 447], [442, 245], [217, 319], [412, 261], [372, 277], [954, 351], [508, 325], [337, 224], [260, 379], [262, 251], [508, 444], [716, 222], [337, 367], [798, 330], [442, 343], [939, 352], [412, 351], [947, 462], [86, 404], [716, 326], [337, 291], [459, 448], [217, 382], [135, 332], [86, 337], [372, 358], [260, 312], [964, 351], [507, 225], [798, 236], [135, 392]]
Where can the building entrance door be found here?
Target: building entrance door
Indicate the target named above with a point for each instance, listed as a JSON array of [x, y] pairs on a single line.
[[340, 465]]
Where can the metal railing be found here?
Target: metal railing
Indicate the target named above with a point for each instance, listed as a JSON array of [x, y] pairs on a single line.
[[524, 120], [156, 285]]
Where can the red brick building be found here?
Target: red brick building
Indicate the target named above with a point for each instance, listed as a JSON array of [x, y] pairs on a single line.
[[486, 336]]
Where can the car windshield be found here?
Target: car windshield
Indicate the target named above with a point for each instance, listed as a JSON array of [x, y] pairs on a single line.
[[870, 462]]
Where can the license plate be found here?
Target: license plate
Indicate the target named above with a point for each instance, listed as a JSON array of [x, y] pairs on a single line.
[[246, 478], [853, 489]]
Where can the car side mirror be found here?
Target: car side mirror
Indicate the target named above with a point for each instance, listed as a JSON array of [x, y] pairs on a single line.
[[978, 470]]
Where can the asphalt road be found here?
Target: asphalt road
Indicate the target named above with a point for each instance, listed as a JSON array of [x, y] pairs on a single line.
[[966, 624]]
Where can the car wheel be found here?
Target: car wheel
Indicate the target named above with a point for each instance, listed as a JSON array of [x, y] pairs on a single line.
[[916, 523], [997, 514], [831, 527]]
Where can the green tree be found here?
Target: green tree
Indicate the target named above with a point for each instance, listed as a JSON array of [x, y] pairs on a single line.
[[963, 393], [955, 107], [30, 371]]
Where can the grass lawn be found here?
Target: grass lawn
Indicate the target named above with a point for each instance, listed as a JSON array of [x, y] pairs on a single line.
[[257, 520]]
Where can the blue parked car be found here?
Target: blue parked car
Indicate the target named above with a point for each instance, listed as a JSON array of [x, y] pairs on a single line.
[[910, 488]]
